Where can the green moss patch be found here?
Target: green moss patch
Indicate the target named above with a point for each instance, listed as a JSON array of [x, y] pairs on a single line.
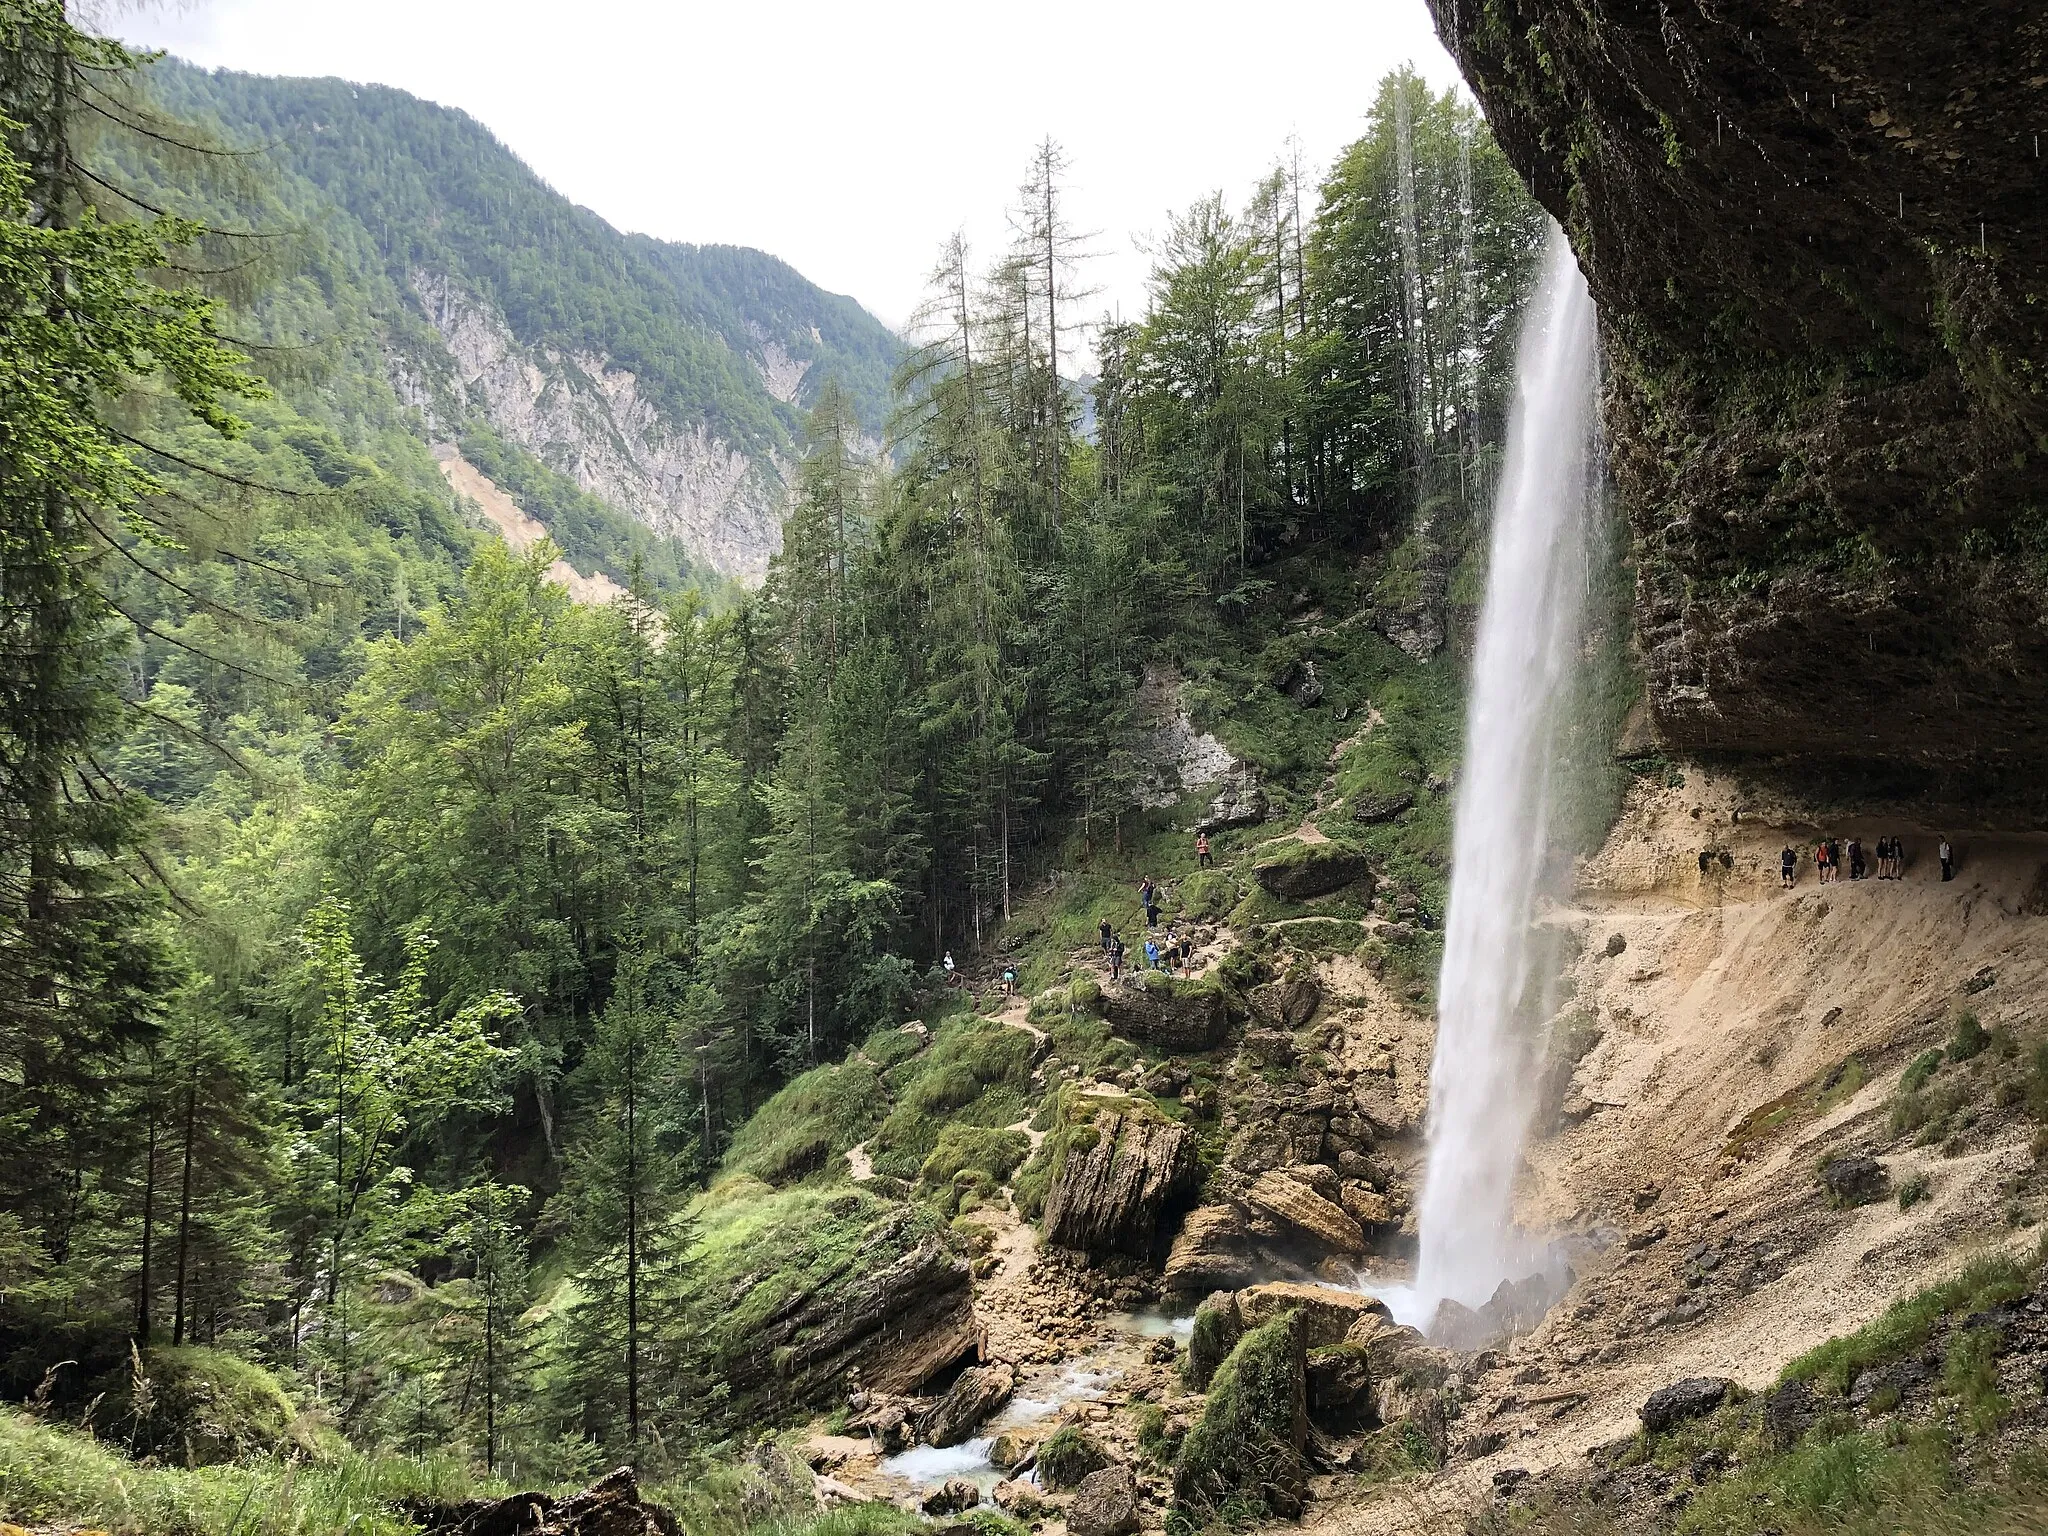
[[1243, 1460]]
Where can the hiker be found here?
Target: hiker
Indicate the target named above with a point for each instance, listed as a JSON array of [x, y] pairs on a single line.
[[1148, 896], [1116, 959], [1947, 856], [1706, 859], [1856, 869], [1107, 933], [1202, 848], [1884, 858], [1151, 955], [1820, 861], [1009, 980], [1834, 860], [1788, 867], [948, 964]]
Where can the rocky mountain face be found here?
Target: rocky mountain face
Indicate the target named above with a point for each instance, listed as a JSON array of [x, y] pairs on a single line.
[[1816, 233], [669, 380]]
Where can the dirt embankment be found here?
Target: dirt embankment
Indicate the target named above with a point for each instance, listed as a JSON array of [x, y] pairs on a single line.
[[519, 531], [1746, 1033]]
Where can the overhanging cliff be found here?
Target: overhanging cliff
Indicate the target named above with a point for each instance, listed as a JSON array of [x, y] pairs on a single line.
[[1816, 231]]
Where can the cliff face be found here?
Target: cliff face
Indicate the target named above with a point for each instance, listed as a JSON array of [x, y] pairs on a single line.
[[1816, 231]]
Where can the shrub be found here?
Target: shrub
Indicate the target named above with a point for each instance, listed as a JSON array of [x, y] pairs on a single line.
[[1969, 1373], [1969, 1039], [1923, 1066], [1154, 1442], [1913, 1191], [1069, 1456]]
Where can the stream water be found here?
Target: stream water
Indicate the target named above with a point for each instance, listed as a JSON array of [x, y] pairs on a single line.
[[1529, 629]]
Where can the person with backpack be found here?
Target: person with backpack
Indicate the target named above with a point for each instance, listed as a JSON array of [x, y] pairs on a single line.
[[1856, 866], [1009, 980], [1788, 867], [1820, 860], [1148, 897], [1202, 848], [1116, 958]]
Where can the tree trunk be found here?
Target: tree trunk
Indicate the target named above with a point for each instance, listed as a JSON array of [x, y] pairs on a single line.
[[185, 1204]]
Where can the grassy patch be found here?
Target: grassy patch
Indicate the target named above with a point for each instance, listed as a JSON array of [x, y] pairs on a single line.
[[1811, 1099], [1246, 1449], [812, 1120], [976, 1073], [1909, 1323], [57, 1476]]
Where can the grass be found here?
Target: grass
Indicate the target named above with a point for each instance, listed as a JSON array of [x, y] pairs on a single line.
[[1248, 1443], [976, 1073], [1910, 1322], [50, 1475], [809, 1122], [1068, 1456]]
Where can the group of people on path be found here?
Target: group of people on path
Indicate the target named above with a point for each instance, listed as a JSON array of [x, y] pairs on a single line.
[[1830, 857], [1176, 953]]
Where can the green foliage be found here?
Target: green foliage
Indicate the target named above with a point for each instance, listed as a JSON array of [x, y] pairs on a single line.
[[1068, 1455], [198, 1407], [974, 1074], [1215, 1335], [1922, 1067], [1969, 1038], [994, 1154], [1908, 1323], [1912, 1191]]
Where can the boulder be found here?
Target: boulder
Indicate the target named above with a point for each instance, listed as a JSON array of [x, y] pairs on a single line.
[[1211, 1252], [1216, 1330], [1789, 1412], [1288, 1003], [1340, 1389], [1457, 1326], [1269, 1047], [1308, 1215], [1313, 869], [1693, 1398], [1328, 1314], [1247, 1452], [897, 1315], [1106, 1504], [1855, 1180], [1154, 1009], [954, 1496], [975, 1394], [1110, 1193], [1373, 807], [1362, 1203], [1018, 1498]]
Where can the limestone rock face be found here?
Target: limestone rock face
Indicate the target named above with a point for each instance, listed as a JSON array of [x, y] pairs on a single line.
[[1328, 1314], [1823, 463], [978, 1392], [1109, 1197], [1315, 869], [1306, 1213], [896, 1314], [1106, 1504], [1212, 1251], [1174, 1015]]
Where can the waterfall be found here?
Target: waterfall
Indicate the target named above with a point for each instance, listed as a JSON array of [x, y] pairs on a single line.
[[1489, 993]]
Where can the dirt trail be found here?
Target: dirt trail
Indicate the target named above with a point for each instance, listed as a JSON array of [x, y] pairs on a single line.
[[1726, 1002]]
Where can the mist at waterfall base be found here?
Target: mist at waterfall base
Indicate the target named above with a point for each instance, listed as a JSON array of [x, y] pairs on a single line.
[[1490, 989]]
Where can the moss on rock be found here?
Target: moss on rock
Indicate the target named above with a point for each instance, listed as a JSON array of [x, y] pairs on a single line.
[[1244, 1459]]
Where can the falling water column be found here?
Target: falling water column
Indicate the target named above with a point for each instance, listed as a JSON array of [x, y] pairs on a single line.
[[1529, 627]]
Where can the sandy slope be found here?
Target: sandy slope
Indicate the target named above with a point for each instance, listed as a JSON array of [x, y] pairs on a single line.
[[1729, 994], [519, 531]]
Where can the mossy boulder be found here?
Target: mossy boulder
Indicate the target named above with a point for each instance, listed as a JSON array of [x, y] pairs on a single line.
[[1118, 1174], [1155, 1009], [1299, 871], [1246, 1455], [1068, 1457], [199, 1407], [1217, 1329]]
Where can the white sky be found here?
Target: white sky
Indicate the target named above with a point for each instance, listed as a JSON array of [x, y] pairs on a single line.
[[851, 139]]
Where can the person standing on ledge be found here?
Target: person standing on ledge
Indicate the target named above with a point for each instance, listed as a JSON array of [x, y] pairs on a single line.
[[1107, 933], [1948, 861], [1116, 958], [1202, 848], [1788, 867]]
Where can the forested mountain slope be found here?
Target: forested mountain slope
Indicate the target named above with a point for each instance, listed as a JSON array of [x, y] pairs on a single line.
[[669, 380]]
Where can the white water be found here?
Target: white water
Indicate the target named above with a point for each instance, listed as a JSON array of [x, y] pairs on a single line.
[[1529, 627]]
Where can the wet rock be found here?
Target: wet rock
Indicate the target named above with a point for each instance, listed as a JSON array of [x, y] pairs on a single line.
[[1249, 1446], [1457, 1326], [975, 1394], [1154, 1009], [952, 1497], [1339, 1384], [1109, 1197], [1313, 869], [1012, 1449], [1855, 1180], [1362, 1203], [1693, 1398], [1306, 1213], [1212, 1251], [1106, 1504], [1328, 1314], [1289, 1003]]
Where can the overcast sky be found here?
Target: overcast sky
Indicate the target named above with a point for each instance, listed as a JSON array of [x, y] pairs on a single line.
[[850, 139]]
